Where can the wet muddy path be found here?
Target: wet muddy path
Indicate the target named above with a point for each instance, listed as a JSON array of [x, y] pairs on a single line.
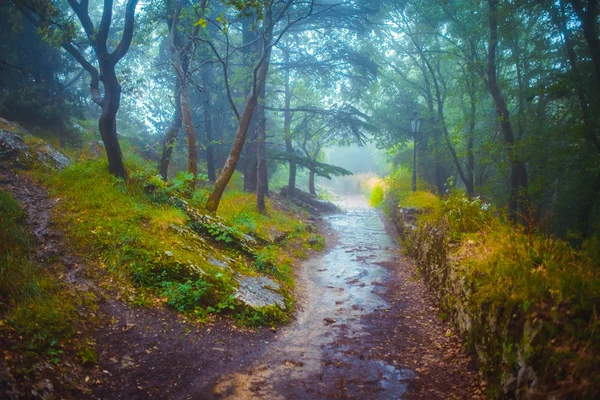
[[326, 352]]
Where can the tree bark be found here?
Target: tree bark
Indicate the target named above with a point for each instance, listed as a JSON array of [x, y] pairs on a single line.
[[250, 53], [442, 120], [107, 122], [170, 138], [287, 124], [190, 132], [214, 198], [259, 78], [262, 183], [111, 100], [311, 182], [210, 157], [180, 64]]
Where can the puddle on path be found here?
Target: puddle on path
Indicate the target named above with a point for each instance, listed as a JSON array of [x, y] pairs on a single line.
[[320, 354]]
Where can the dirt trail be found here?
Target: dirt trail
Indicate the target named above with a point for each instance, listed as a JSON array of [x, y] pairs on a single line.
[[142, 352], [365, 329]]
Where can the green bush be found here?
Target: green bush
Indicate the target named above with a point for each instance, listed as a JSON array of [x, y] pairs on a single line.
[[464, 214], [376, 196]]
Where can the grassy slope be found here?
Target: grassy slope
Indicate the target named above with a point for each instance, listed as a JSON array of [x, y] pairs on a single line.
[[129, 235], [125, 235]]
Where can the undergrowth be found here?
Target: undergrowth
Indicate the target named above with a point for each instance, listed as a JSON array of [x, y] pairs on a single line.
[[529, 281], [146, 249]]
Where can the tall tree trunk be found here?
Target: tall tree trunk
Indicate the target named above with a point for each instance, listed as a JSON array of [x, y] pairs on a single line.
[[214, 198], [262, 184], [107, 61], [518, 174], [260, 76], [311, 182], [212, 204], [180, 64], [250, 53], [442, 121], [471, 82], [439, 172], [170, 138], [589, 24], [188, 126], [210, 157], [107, 123], [287, 124]]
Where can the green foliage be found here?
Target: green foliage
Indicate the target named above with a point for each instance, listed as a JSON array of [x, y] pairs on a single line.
[[515, 279], [376, 196], [465, 215], [186, 296]]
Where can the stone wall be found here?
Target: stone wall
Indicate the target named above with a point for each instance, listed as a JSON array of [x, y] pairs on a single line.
[[510, 347]]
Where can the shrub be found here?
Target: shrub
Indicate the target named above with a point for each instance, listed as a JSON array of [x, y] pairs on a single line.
[[376, 196]]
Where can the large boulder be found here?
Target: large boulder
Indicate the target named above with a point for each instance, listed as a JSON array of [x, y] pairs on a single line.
[[15, 152]]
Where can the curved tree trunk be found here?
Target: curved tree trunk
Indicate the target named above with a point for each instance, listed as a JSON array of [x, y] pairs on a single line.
[[250, 52], [107, 122], [259, 75], [287, 124], [214, 198]]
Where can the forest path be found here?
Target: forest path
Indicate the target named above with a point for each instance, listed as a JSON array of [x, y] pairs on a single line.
[[364, 329]]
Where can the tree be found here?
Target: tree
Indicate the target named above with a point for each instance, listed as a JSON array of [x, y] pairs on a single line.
[[272, 16], [98, 40]]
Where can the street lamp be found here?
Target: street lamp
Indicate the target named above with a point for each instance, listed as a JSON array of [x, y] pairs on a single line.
[[415, 124]]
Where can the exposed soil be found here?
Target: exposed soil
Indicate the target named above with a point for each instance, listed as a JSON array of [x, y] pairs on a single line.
[[365, 329]]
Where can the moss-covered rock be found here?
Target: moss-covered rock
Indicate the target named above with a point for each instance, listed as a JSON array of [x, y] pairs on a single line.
[[16, 152]]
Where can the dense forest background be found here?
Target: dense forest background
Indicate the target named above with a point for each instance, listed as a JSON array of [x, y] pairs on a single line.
[[507, 91]]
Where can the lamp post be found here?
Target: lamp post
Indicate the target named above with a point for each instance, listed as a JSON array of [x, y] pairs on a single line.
[[415, 124]]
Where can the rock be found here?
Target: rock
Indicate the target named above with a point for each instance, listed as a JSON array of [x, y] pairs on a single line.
[[7, 387], [16, 153], [259, 291], [274, 236], [311, 228], [329, 321], [313, 241], [215, 227]]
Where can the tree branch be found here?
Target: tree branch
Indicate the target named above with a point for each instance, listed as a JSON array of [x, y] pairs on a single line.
[[123, 46]]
